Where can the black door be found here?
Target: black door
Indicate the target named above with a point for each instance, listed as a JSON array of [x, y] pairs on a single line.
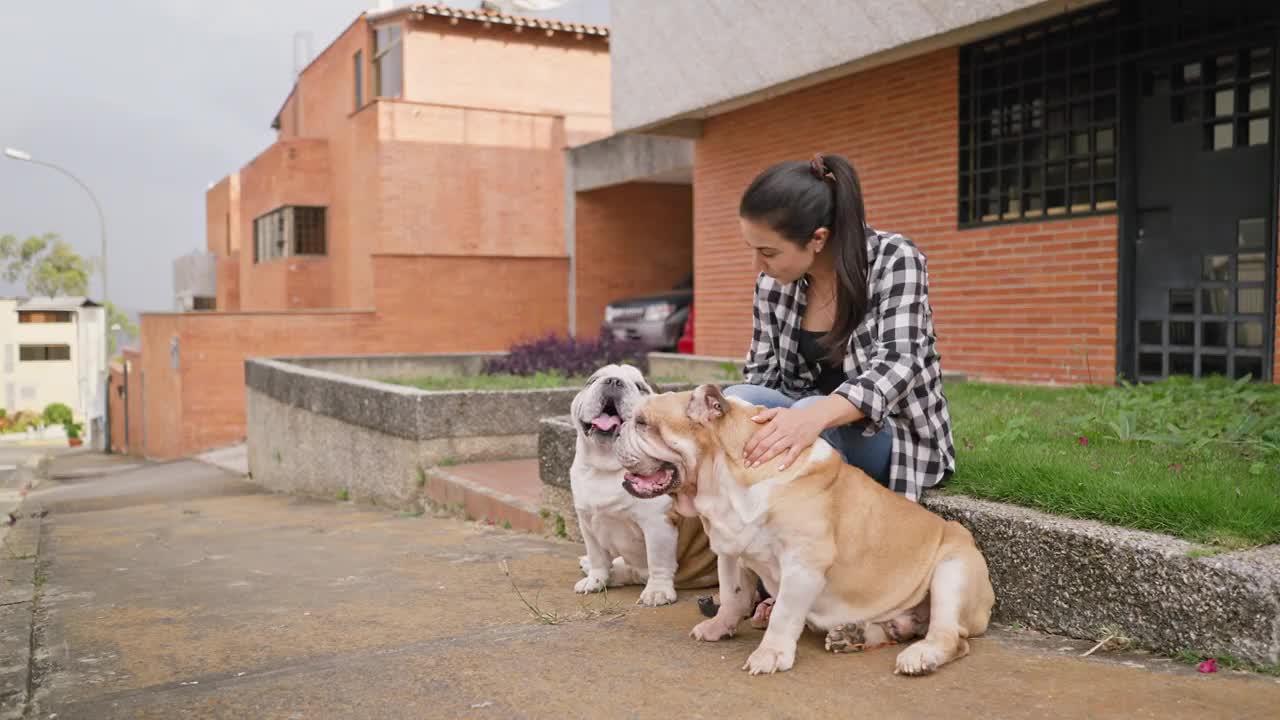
[[1204, 232]]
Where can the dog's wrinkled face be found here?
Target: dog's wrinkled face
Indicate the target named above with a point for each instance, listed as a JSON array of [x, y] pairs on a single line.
[[609, 399], [658, 447]]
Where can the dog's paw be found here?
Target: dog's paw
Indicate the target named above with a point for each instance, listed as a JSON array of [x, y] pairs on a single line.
[[590, 584], [585, 563], [919, 659], [657, 593], [713, 630], [767, 660], [847, 638]]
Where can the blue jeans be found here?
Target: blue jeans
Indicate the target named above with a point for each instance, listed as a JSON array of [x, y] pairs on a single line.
[[871, 453]]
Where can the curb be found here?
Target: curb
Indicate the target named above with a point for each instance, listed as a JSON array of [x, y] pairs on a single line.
[[475, 501], [1080, 577], [18, 555], [1077, 577]]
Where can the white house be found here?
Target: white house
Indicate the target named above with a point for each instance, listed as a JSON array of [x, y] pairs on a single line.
[[54, 350]]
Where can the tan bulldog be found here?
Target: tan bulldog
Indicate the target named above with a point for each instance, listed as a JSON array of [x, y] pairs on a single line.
[[839, 552]]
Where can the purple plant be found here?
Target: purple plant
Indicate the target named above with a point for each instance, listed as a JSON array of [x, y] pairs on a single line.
[[566, 355]]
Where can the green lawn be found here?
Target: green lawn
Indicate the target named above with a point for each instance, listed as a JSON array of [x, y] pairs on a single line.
[[492, 382], [1199, 460]]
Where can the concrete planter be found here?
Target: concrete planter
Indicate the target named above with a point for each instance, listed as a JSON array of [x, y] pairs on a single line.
[[314, 430], [1075, 577]]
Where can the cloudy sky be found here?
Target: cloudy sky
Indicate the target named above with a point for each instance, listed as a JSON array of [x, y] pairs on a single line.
[[148, 101]]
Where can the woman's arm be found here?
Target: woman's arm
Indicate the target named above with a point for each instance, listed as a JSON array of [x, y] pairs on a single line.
[[897, 355], [762, 361], [895, 361]]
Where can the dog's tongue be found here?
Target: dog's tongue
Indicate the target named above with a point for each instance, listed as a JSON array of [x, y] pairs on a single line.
[[605, 423]]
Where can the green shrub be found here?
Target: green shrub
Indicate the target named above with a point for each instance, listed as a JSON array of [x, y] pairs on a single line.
[[57, 414]]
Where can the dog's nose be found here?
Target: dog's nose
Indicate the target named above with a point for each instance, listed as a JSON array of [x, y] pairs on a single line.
[[613, 381]]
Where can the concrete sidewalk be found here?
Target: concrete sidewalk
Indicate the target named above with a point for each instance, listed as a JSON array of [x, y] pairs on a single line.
[[179, 591]]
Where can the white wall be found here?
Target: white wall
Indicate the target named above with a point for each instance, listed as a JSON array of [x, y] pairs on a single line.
[[32, 385], [687, 58]]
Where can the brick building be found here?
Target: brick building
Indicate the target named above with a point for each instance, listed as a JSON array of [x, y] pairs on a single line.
[[414, 196], [1093, 182]]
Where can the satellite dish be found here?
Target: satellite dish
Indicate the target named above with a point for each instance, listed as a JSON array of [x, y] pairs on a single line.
[[522, 6]]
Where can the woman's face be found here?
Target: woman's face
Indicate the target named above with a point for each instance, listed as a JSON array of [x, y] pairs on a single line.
[[778, 257]]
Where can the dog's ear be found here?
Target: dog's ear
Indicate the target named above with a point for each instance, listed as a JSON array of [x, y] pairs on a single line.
[[645, 387], [707, 404]]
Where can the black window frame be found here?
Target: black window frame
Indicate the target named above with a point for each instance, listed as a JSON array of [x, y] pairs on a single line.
[[44, 353], [1039, 122], [299, 230]]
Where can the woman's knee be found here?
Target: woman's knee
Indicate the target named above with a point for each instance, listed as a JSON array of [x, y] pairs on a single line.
[[757, 395]]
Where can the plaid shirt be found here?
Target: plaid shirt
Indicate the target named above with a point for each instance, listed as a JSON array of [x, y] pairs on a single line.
[[892, 363]]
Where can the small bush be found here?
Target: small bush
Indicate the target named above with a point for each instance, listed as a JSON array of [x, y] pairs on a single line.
[[57, 414], [566, 356]]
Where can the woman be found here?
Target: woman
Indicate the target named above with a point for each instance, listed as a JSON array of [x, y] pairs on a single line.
[[842, 346]]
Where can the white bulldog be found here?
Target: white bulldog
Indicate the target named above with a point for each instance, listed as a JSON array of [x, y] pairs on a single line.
[[629, 541]]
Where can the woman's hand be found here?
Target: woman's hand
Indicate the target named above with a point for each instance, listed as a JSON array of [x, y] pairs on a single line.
[[786, 430]]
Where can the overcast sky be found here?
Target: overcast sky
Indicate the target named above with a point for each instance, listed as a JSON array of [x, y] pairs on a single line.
[[148, 102]]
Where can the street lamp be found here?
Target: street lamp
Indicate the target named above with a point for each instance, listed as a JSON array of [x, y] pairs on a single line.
[[16, 154]]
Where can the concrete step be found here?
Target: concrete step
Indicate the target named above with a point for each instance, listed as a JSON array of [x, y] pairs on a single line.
[[501, 493]]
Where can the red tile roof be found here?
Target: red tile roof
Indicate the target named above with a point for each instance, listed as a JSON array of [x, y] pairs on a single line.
[[489, 16]]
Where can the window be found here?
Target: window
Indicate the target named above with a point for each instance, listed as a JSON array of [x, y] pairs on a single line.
[[308, 227], [388, 61], [289, 231], [1038, 120], [204, 302], [358, 67], [40, 353], [44, 316]]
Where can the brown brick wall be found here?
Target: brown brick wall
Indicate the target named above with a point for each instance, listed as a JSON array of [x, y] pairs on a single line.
[[469, 304], [1032, 302], [630, 239], [426, 304], [229, 282], [222, 213], [292, 172], [497, 67], [473, 182]]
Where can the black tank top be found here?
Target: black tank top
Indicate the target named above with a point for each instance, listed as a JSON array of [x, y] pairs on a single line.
[[830, 377]]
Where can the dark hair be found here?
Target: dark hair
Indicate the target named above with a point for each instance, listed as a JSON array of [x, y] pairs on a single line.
[[794, 199]]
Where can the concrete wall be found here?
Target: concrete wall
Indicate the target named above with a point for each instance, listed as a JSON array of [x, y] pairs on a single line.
[[319, 432], [674, 58], [1025, 302], [376, 367]]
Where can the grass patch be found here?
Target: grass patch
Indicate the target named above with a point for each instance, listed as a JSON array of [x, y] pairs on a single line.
[[1198, 460], [540, 381], [1230, 662]]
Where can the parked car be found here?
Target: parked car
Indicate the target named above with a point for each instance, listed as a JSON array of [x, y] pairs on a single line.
[[654, 321]]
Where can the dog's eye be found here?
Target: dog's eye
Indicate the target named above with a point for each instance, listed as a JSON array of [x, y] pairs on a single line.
[[644, 390]]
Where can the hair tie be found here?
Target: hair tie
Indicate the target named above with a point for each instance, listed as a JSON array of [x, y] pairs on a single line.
[[818, 166]]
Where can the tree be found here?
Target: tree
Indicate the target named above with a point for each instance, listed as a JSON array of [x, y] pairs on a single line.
[[52, 267], [116, 316]]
